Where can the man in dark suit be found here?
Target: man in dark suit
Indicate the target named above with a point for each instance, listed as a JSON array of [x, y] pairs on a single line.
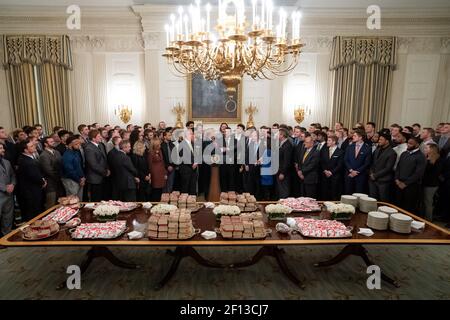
[[408, 176], [381, 173], [31, 182], [51, 165], [7, 185], [307, 167], [9, 147], [227, 170], [283, 176], [96, 166], [124, 174], [331, 166], [358, 157], [443, 141], [241, 143], [167, 147], [251, 168], [187, 166], [297, 142]]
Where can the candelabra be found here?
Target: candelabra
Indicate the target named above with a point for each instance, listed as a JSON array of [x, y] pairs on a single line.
[[300, 113], [179, 111], [239, 47], [251, 110], [124, 113]]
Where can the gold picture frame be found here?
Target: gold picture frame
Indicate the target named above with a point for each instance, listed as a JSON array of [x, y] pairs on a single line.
[[198, 111]]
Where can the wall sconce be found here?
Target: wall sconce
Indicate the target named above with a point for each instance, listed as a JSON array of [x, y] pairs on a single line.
[[179, 110], [124, 113], [301, 112]]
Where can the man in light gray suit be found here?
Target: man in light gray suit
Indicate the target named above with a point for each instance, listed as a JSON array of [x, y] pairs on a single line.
[[7, 184], [51, 165]]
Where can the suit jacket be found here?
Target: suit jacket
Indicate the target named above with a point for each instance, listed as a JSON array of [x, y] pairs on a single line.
[[51, 166], [445, 149], [96, 165], [383, 164], [241, 145], [345, 144], [411, 167], [30, 178], [182, 148], [167, 152], [7, 175], [335, 164], [360, 163], [309, 167], [229, 157], [252, 153], [285, 158], [122, 170]]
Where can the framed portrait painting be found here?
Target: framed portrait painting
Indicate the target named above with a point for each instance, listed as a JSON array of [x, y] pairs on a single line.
[[207, 101]]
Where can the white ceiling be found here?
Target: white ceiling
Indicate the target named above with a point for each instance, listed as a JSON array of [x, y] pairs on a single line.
[[407, 4]]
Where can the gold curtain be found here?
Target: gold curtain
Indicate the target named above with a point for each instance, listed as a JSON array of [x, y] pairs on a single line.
[[362, 77], [37, 69]]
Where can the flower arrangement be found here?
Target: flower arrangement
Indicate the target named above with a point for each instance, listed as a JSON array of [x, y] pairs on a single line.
[[226, 210], [163, 208], [277, 211], [106, 212], [340, 211]]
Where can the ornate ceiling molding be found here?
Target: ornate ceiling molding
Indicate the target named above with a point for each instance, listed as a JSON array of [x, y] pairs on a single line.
[[423, 45]]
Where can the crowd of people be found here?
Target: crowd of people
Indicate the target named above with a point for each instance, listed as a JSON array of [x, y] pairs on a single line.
[[408, 166]]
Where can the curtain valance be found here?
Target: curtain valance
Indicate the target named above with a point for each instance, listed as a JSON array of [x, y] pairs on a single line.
[[363, 51], [36, 50]]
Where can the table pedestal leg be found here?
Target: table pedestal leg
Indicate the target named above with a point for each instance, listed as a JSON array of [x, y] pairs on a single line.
[[277, 253], [179, 253], [96, 252], [356, 250]]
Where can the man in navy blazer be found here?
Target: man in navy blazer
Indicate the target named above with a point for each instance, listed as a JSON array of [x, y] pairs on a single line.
[[358, 157]]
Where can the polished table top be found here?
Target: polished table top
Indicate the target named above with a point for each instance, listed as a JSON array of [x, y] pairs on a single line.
[[204, 219]]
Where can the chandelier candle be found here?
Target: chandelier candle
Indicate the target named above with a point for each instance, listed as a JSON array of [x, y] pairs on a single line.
[[254, 48]]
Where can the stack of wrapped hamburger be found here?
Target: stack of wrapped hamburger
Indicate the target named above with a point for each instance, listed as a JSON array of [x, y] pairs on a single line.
[[181, 200], [176, 225], [245, 201], [41, 229], [244, 226]]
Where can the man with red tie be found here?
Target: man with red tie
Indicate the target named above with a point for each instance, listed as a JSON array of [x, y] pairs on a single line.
[[358, 157]]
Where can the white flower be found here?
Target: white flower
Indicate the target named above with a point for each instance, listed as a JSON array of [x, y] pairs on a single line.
[[339, 207], [106, 210], [163, 208], [278, 208], [226, 210]]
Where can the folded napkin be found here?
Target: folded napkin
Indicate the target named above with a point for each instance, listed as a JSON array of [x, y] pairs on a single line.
[[209, 205], [417, 225], [133, 235], [365, 232], [209, 235]]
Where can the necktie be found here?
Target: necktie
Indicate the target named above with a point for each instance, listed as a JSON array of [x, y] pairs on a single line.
[[305, 155], [357, 147]]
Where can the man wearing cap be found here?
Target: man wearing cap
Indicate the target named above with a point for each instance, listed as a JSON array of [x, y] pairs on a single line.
[[381, 172]]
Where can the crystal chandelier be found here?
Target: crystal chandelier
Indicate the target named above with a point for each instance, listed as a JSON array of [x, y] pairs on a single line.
[[236, 47]]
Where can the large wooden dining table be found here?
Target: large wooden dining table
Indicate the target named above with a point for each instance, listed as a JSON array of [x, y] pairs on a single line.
[[204, 219]]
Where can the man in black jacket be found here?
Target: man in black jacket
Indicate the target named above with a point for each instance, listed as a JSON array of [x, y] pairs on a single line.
[[408, 176], [283, 176], [96, 166], [331, 166], [251, 168], [307, 167], [124, 174], [381, 172], [167, 147], [31, 182], [227, 170]]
